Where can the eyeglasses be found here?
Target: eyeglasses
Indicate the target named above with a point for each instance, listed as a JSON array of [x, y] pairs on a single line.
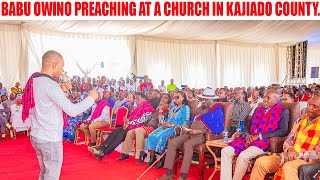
[[177, 97]]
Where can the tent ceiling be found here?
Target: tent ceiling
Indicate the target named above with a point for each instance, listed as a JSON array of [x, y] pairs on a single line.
[[239, 31]]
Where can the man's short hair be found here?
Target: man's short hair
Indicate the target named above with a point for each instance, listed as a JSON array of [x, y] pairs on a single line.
[[262, 91], [141, 94], [156, 90], [308, 90], [292, 96], [50, 55], [168, 98]]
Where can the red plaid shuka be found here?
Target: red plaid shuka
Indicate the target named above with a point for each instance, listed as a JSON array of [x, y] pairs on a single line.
[[27, 98], [99, 108], [261, 123], [140, 115], [148, 129]]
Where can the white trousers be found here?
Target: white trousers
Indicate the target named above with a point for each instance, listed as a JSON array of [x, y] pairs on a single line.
[[242, 164]]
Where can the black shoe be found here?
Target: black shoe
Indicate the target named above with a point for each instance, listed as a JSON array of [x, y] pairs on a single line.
[[141, 158], [2, 139], [92, 144], [160, 163], [152, 160], [123, 157], [98, 157]]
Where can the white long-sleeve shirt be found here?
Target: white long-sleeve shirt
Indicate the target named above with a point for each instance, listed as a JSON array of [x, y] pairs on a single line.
[[105, 115], [47, 117]]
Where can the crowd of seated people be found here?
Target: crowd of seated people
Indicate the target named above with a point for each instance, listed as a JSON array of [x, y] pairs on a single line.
[[154, 114], [11, 112]]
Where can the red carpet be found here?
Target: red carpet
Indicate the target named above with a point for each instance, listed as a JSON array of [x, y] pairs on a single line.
[[18, 161]]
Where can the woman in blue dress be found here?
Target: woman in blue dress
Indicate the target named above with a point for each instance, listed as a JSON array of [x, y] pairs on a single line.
[[70, 130], [179, 115]]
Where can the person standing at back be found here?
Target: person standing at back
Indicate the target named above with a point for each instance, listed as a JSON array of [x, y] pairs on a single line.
[[44, 103]]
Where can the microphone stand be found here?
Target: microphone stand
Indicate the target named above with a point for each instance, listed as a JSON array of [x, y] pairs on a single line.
[[284, 80]]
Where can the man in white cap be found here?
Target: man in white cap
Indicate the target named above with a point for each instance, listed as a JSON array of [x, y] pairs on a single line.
[[209, 117]]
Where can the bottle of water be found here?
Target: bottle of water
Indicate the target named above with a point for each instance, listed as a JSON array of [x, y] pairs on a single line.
[[238, 130], [242, 125], [225, 136], [161, 118]]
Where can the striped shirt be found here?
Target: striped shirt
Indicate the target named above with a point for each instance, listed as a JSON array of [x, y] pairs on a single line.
[[47, 117], [240, 111]]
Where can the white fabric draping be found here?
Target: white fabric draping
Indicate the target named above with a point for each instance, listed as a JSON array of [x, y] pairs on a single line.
[[240, 31], [188, 63], [84, 54], [10, 54], [313, 60], [198, 65], [282, 64], [246, 64], [205, 53]]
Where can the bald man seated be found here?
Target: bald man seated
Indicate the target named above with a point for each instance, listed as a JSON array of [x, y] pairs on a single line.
[[269, 120]]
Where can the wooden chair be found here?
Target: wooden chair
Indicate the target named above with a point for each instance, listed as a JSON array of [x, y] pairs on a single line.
[[202, 149], [120, 115], [86, 139]]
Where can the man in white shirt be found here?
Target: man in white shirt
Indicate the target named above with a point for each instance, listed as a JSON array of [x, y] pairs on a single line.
[[162, 88], [131, 86], [44, 105]]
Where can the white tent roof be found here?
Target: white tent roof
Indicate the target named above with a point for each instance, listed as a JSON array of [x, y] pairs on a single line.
[[238, 31]]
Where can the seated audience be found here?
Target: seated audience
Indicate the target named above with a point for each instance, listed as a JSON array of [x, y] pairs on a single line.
[[299, 94], [257, 97], [122, 86], [4, 98], [301, 147], [270, 120], [130, 104], [86, 86], [77, 97], [209, 117], [142, 132], [316, 90], [16, 89], [130, 86], [16, 116], [119, 102], [162, 88], [154, 98], [179, 115], [11, 100], [3, 90], [288, 97], [108, 96], [135, 120], [171, 86], [222, 93], [307, 95], [4, 121], [240, 111], [72, 123], [99, 118], [146, 86]]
